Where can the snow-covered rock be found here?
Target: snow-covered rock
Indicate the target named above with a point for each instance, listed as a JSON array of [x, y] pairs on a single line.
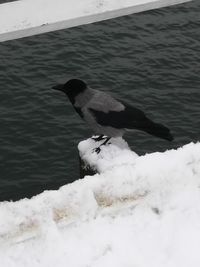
[[138, 211]]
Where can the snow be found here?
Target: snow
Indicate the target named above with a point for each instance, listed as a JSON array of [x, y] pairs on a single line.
[[138, 211], [28, 17], [117, 153]]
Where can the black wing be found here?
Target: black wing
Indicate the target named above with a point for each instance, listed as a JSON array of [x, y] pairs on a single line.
[[131, 118], [128, 118]]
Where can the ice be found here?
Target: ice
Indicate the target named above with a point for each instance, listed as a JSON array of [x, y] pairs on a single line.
[[138, 211]]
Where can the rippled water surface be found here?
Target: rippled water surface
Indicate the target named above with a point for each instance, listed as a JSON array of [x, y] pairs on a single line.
[[151, 60]]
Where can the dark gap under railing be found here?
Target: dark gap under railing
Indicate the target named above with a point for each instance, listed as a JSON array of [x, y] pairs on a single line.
[[7, 1]]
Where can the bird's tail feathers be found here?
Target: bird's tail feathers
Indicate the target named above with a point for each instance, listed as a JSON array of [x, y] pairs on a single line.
[[158, 130]]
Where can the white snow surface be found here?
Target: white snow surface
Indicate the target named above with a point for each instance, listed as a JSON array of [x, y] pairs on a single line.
[[28, 17], [138, 211]]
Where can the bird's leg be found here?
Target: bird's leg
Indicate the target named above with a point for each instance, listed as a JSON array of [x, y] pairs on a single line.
[[98, 149], [106, 141], [99, 138]]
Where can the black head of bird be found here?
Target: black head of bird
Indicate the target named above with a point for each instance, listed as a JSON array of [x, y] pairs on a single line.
[[72, 87]]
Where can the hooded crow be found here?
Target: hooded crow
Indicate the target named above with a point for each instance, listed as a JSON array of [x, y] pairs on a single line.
[[107, 116]]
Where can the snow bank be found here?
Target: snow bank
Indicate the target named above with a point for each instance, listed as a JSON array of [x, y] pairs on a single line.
[[29, 17], [139, 211]]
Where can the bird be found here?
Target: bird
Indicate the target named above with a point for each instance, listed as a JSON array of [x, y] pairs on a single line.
[[107, 116]]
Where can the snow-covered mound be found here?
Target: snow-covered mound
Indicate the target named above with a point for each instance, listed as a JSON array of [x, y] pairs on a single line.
[[115, 154], [137, 212]]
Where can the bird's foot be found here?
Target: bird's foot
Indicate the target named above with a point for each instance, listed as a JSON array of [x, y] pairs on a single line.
[[98, 149], [99, 138]]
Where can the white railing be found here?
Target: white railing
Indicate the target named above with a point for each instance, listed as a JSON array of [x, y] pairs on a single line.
[[30, 17]]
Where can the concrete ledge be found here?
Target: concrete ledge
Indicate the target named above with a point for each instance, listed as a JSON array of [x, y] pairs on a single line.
[[30, 17]]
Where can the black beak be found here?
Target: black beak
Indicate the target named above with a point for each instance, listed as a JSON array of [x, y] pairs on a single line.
[[58, 87]]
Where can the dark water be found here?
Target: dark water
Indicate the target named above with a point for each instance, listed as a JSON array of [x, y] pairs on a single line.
[[151, 60]]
